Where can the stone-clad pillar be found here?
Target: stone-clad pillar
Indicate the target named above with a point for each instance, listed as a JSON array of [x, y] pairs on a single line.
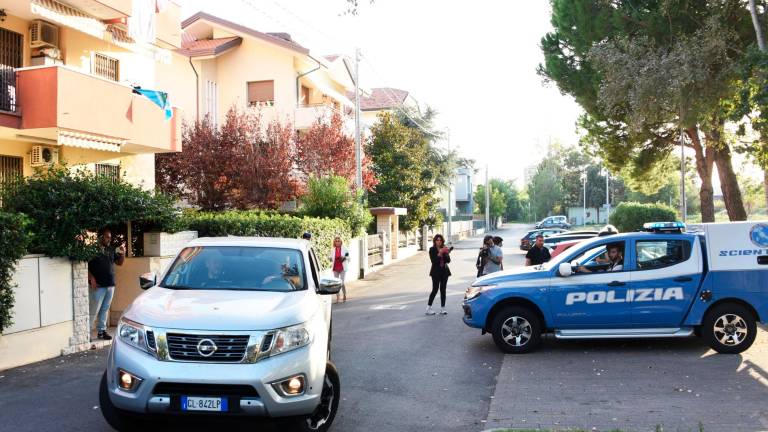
[[82, 331]]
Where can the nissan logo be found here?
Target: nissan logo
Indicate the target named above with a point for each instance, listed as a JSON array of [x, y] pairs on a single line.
[[206, 347]]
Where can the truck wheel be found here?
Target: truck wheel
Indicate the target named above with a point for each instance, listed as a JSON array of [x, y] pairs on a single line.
[[322, 418], [729, 328], [117, 418], [516, 330]]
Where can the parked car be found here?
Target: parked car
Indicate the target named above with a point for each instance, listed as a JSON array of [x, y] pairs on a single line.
[[554, 222], [552, 241], [530, 237], [236, 327], [562, 246], [712, 283]]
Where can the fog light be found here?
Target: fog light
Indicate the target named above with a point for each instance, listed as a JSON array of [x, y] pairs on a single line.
[[126, 381], [293, 386]]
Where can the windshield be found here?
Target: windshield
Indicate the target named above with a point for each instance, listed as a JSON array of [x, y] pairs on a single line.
[[563, 257], [237, 268]]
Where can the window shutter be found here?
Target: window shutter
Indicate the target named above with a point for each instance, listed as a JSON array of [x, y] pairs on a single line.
[[261, 91]]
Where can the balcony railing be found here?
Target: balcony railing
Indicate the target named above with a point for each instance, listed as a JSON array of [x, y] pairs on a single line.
[[8, 100]]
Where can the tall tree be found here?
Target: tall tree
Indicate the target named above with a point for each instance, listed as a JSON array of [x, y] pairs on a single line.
[[643, 70], [326, 150], [408, 168], [202, 173]]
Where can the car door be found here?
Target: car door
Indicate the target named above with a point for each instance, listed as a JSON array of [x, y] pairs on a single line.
[[591, 299], [326, 300], [666, 275]]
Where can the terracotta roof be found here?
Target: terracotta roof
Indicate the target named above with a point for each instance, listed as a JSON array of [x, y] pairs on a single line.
[[381, 99], [207, 47], [289, 44]]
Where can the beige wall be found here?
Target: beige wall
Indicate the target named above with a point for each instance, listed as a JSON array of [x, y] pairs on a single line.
[[178, 79], [254, 60], [31, 346]]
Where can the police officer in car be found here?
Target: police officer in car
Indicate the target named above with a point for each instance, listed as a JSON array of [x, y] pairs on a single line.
[[615, 260]]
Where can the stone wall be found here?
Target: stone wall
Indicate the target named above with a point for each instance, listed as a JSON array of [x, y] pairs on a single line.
[[81, 340]]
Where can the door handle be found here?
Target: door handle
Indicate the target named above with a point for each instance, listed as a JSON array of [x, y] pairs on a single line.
[[616, 283], [683, 279]]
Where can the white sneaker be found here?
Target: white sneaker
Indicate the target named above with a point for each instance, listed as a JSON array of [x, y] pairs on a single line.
[[443, 311], [429, 311]]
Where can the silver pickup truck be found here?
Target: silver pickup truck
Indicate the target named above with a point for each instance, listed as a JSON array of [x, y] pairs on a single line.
[[236, 327]]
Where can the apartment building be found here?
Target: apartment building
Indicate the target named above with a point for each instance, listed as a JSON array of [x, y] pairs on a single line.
[[69, 70], [234, 65]]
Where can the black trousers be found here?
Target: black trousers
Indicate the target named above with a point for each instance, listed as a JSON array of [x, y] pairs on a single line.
[[441, 283]]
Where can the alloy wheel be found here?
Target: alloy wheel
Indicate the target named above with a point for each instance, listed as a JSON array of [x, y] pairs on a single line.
[[516, 331], [730, 329]]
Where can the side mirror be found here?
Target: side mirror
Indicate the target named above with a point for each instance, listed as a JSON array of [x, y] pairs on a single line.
[[147, 280], [329, 285], [565, 269]]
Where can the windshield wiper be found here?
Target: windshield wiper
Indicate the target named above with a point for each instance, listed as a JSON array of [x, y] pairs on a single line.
[[177, 287]]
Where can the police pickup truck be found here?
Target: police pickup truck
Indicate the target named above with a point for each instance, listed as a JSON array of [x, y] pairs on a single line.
[[711, 281]]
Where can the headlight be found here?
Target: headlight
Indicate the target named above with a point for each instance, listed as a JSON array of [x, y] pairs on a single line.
[[476, 290], [291, 338], [133, 334]]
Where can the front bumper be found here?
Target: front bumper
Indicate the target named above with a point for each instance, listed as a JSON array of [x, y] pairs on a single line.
[[472, 313], [248, 387]]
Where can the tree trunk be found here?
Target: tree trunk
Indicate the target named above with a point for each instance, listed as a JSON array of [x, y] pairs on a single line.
[[729, 184], [765, 185], [704, 161]]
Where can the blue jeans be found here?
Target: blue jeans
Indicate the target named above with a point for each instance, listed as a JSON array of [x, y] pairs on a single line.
[[100, 300]]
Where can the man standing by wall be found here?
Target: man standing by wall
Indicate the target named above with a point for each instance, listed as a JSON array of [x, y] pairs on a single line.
[[538, 254], [101, 279]]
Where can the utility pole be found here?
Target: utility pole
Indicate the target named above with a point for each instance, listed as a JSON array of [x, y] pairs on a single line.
[[683, 204], [584, 179], [607, 195], [450, 187], [487, 201], [358, 139]]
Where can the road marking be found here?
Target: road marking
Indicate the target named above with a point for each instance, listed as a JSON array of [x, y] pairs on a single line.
[[389, 307]]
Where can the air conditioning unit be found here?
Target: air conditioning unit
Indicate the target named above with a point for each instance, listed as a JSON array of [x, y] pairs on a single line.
[[44, 156], [43, 34]]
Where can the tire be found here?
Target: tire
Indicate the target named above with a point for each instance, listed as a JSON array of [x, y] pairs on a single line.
[[516, 330], [729, 328], [322, 419], [119, 420]]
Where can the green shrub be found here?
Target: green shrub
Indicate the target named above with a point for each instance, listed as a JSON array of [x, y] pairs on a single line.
[[252, 223], [630, 216], [66, 208], [331, 197], [14, 239]]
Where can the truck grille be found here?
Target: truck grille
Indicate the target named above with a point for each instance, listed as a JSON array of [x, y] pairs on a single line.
[[151, 340], [228, 348]]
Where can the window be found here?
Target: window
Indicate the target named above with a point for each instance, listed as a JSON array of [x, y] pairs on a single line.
[[106, 67], [305, 95], [597, 260], [211, 101], [237, 268], [653, 254], [108, 170], [10, 58], [261, 93], [315, 268]]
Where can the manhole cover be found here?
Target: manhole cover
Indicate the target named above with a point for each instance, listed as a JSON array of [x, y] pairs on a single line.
[[389, 307]]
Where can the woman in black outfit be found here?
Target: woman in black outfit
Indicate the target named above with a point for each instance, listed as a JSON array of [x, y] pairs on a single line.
[[439, 272]]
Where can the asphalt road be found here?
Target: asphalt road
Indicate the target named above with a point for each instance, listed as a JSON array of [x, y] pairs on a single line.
[[400, 370]]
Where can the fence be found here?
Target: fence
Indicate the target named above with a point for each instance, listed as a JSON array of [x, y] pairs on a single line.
[[8, 89], [375, 249], [408, 238]]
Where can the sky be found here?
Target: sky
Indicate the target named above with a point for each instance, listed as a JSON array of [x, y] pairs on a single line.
[[474, 62]]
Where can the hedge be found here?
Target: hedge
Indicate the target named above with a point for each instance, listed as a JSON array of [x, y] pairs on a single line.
[[630, 216], [251, 223], [66, 207], [14, 239]]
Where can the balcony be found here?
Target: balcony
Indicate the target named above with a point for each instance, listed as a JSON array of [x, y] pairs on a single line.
[[74, 108]]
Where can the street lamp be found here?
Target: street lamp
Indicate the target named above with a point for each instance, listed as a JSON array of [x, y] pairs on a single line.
[[584, 181], [607, 175]]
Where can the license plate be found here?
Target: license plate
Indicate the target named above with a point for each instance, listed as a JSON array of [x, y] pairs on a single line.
[[200, 403]]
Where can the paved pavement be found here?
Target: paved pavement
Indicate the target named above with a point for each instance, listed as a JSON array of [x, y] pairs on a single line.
[[400, 370]]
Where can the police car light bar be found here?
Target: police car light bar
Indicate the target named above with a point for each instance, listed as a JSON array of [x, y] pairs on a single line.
[[664, 227]]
